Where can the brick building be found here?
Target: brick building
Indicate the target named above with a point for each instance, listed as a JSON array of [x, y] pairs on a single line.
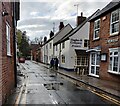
[[9, 14], [105, 43], [35, 52]]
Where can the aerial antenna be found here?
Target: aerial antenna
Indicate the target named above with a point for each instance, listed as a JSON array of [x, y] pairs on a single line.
[[53, 27], [77, 5]]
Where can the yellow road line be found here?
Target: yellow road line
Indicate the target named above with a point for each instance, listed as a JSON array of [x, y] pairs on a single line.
[[94, 91], [19, 96], [105, 96]]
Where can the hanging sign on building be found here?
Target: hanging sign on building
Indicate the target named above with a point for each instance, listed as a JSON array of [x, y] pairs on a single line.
[[76, 42]]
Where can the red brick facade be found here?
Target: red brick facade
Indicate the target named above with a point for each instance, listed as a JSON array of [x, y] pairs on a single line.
[[7, 80], [0, 55], [104, 37]]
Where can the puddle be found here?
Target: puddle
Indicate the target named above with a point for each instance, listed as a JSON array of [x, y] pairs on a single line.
[[52, 86], [31, 72], [52, 75]]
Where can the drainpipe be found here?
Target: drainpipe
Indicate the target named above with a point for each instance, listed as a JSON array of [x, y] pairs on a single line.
[[119, 43], [14, 44]]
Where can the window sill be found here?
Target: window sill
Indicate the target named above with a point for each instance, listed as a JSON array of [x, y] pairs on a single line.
[[9, 55], [113, 34], [112, 72], [96, 39], [93, 75]]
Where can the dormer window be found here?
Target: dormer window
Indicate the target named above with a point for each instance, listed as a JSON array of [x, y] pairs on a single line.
[[96, 29], [114, 25]]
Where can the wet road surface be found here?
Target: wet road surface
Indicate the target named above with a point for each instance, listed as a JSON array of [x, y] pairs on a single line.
[[43, 86]]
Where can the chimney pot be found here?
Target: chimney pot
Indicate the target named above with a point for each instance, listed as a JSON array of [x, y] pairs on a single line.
[[81, 14], [61, 25]]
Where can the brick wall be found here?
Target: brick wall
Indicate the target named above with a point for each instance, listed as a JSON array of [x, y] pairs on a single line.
[[7, 61], [0, 54], [104, 37]]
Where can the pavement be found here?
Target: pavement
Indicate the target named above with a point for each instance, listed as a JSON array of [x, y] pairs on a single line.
[[111, 88]]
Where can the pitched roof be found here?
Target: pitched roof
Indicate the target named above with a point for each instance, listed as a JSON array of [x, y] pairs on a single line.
[[48, 40], [77, 28], [67, 29], [107, 8], [56, 34]]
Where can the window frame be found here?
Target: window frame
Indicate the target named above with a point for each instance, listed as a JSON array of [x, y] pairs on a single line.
[[63, 59], [87, 42], [111, 23], [8, 39], [113, 50], [96, 29], [63, 45]]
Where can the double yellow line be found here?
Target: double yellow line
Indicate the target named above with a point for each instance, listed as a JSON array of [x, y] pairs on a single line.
[[112, 100]]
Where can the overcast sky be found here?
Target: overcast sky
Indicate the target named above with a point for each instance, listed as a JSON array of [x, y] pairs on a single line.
[[37, 18]]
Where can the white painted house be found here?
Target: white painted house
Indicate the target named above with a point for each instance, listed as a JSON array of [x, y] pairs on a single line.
[[62, 33], [47, 51], [71, 48]]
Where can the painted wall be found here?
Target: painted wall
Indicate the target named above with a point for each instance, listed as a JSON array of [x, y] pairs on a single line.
[[69, 51], [50, 51], [69, 54], [82, 33]]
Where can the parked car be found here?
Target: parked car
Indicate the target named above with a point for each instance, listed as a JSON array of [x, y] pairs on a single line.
[[21, 60]]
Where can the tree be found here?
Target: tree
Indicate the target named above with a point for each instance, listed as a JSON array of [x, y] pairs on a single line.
[[37, 40], [23, 44]]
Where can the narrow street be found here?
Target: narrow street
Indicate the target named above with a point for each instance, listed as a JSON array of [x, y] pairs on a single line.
[[45, 86]]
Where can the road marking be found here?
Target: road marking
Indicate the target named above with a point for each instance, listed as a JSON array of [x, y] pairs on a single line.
[[107, 98], [94, 91], [19, 96]]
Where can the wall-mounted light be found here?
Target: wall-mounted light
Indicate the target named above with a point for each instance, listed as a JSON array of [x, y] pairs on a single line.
[[4, 13], [103, 57]]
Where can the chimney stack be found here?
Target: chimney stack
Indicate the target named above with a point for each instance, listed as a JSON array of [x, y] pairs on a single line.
[[51, 34], [80, 19], [61, 26], [45, 39]]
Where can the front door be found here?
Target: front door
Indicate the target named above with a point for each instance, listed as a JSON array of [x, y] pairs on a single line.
[[94, 64]]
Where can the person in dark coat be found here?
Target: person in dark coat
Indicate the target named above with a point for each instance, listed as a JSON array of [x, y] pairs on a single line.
[[56, 63], [52, 63]]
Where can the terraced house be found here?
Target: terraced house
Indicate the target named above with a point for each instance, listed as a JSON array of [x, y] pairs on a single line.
[[9, 14], [105, 43]]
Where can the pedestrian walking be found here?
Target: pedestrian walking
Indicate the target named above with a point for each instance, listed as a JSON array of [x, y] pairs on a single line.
[[56, 63], [52, 63]]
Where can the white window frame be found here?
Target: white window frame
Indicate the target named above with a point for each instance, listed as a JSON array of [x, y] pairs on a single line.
[[111, 23], [118, 68], [86, 41], [96, 29], [8, 41], [63, 45], [63, 59]]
